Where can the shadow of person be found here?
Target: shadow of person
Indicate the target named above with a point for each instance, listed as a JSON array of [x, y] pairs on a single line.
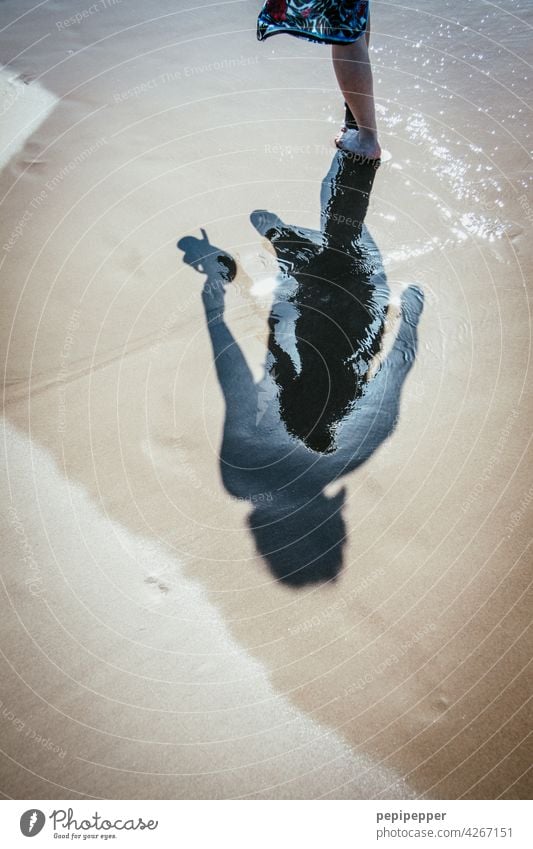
[[330, 395]]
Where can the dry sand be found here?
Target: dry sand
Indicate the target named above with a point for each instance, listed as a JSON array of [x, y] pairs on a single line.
[[147, 651]]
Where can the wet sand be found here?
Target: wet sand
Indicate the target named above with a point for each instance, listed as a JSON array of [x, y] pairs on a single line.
[[148, 649]]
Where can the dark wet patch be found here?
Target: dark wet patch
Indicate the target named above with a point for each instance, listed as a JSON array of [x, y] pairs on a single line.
[[317, 414]]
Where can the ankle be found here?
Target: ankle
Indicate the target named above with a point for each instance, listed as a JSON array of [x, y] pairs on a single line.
[[368, 135]]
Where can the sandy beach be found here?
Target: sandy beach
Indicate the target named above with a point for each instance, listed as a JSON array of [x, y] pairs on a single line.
[[154, 642]]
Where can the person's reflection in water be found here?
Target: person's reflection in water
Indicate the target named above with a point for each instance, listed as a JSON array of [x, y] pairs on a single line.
[[326, 401]]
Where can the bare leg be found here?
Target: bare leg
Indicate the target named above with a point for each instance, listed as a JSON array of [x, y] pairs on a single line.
[[351, 63]]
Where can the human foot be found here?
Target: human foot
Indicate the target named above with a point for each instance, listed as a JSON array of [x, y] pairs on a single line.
[[354, 142], [349, 122]]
